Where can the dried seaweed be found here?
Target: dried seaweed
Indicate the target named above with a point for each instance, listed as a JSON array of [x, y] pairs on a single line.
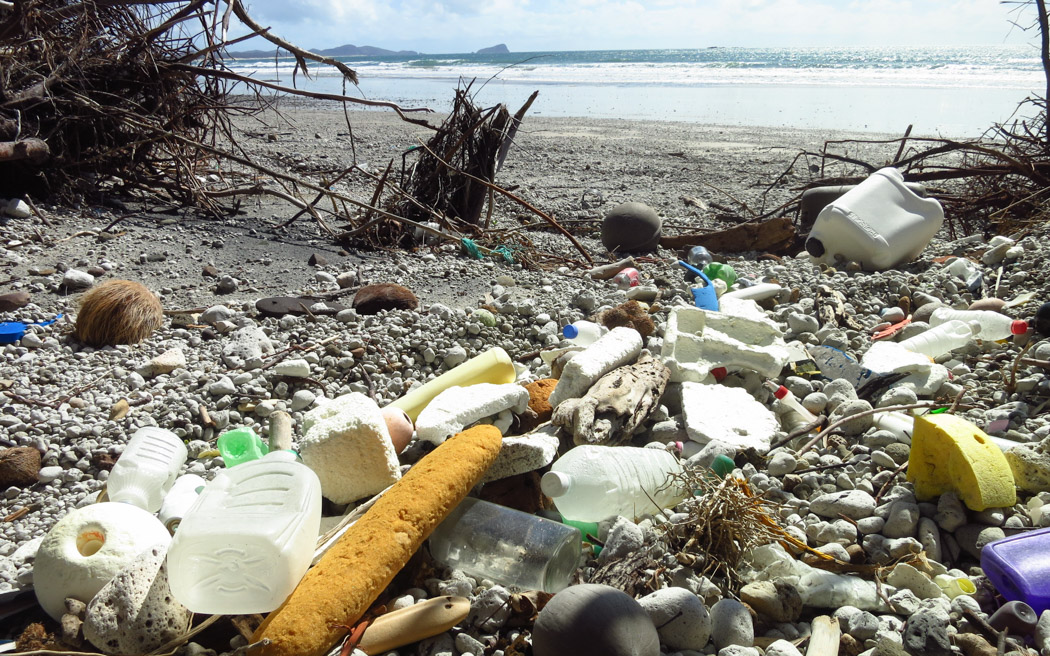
[[723, 522]]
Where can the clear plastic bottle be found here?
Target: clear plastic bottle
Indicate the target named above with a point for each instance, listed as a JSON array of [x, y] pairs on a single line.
[[941, 339], [248, 539], [994, 326], [583, 332], [510, 547], [591, 483], [147, 468], [699, 257]]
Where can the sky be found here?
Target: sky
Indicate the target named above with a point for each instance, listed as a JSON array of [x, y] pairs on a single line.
[[457, 26]]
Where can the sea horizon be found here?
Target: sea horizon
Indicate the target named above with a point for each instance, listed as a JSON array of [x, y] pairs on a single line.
[[941, 91]]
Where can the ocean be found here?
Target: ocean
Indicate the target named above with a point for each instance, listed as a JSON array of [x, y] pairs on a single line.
[[942, 91]]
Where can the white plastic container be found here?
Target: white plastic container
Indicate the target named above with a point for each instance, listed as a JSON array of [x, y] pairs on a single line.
[[591, 483], [178, 500], [758, 292], [879, 224], [243, 546], [994, 326], [583, 333], [941, 339], [147, 468]]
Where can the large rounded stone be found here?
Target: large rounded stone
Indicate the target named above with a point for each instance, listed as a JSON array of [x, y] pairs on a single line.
[[631, 227], [136, 612], [87, 548], [731, 624], [594, 619], [681, 616], [778, 600]]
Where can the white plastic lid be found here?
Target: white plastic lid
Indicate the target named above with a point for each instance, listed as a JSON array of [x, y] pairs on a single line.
[[1018, 327], [555, 484], [570, 332]]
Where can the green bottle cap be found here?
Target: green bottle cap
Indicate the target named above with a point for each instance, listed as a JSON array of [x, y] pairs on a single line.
[[241, 445], [721, 271], [723, 465], [586, 528]]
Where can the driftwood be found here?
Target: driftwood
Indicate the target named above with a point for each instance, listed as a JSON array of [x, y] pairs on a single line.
[[772, 236], [616, 405]]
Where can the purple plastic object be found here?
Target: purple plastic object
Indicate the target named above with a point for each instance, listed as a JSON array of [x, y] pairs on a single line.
[[1019, 568]]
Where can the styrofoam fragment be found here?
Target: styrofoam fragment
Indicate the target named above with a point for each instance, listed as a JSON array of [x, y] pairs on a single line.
[[458, 407], [614, 349], [696, 341], [726, 414], [924, 376]]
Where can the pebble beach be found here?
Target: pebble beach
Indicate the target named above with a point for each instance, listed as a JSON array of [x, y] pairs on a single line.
[[226, 365]]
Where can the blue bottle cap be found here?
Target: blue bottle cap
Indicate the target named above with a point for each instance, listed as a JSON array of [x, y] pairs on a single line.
[[570, 331]]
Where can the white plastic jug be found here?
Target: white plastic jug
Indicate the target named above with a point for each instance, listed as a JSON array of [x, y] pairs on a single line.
[[879, 224], [243, 546], [147, 468]]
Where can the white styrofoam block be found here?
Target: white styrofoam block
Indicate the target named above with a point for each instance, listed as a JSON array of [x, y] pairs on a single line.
[[525, 453], [726, 414], [614, 349], [696, 341], [924, 376], [458, 407], [347, 444]]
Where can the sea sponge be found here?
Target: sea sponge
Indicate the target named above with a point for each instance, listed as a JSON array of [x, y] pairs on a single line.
[[630, 314], [118, 312]]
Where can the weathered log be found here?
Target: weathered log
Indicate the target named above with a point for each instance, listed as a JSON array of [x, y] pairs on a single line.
[[35, 150], [769, 236], [616, 405]]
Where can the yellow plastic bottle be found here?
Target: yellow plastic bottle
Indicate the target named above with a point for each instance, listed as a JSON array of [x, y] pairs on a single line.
[[492, 366]]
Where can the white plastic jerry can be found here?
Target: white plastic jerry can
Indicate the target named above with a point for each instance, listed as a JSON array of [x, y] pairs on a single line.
[[879, 224], [248, 539]]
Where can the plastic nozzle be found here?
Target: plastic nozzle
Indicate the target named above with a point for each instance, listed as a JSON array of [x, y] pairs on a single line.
[[1018, 327]]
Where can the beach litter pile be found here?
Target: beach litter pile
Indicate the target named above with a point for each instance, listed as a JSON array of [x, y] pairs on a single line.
[[811, 454]]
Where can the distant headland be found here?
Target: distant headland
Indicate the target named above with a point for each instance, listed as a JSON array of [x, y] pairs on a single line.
[[350, 50]]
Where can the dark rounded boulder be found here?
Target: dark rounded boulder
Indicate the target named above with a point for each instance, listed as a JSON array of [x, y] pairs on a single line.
[[594, 619], [631, 228]]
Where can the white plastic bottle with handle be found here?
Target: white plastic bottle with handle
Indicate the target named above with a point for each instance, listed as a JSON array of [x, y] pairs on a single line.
[[147, 468], [248, 539]]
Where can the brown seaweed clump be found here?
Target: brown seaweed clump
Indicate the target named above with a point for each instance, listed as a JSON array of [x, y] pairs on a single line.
[[118, 312], [630, 314]]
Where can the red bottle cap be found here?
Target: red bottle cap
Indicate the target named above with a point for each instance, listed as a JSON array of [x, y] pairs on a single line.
[[1018, 327], [781, 392], [719, 374]]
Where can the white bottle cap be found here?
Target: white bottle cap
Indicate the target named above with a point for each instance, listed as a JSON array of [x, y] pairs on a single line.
[[555, 484]]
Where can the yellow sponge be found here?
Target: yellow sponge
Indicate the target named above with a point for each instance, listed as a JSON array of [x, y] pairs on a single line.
[[348, 578], [949, 454]]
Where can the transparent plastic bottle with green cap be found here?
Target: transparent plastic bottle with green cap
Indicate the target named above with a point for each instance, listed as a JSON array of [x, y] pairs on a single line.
[[591, 482]]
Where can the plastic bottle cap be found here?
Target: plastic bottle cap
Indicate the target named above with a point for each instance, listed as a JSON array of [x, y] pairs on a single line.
[[570, 332], [1018, 327], [555, 484], [780, 392], [719, 374], [815, 247]]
